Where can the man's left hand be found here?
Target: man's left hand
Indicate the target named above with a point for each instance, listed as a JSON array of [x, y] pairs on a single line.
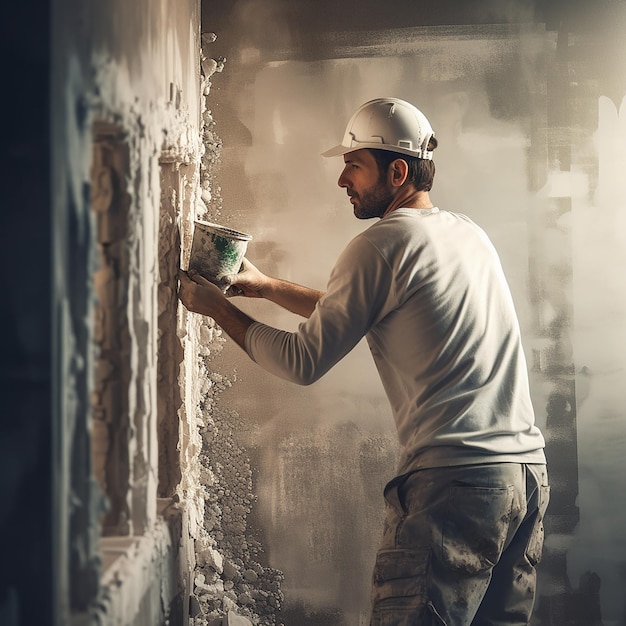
[[198, 294]]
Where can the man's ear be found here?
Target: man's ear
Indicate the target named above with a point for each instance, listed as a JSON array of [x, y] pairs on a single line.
[[398, 172]]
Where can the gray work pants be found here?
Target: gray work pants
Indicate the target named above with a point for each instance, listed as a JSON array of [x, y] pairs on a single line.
[[460, 546]]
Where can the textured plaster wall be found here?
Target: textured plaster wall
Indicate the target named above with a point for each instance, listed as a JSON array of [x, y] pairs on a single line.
[[154, 490], [132, 69]]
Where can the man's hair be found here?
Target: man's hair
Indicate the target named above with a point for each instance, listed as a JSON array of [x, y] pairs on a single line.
[[421, 171]]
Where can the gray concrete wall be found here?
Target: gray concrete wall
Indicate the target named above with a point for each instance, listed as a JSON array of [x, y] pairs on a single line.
[[528, 104]]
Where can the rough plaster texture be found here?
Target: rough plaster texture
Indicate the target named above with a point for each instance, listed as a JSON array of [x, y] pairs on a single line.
[[231, 573], [142, 579], [135, 147], [132, 70]]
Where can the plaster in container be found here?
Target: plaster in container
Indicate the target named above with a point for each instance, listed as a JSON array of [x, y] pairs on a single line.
[[217, 251]]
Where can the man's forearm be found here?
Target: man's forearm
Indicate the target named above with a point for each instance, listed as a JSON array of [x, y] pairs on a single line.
[[232, 320], [290, 296]]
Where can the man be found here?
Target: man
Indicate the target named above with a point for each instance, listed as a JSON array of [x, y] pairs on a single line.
[[463, 530]]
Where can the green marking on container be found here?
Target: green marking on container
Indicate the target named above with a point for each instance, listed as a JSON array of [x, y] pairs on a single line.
[[217, 250]]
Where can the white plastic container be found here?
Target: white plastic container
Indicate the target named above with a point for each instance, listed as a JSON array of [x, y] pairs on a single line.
[[217, 251]]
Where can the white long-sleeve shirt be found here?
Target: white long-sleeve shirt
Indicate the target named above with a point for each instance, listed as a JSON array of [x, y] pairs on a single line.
[[427, 290]]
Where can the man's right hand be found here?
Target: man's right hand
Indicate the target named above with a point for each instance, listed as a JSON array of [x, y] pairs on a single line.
[[249, 282], [253, 283]]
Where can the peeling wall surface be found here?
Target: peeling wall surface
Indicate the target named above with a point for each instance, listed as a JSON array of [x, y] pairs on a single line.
[[154, 491], [527, 101], [127, 144]]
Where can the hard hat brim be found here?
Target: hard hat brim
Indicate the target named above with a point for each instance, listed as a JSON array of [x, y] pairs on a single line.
[[341, 149], [338, 151]]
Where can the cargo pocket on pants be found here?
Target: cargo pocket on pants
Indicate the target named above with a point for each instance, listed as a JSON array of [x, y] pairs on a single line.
[[399, 589]]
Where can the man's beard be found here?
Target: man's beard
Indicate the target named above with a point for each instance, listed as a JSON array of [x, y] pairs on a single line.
[[373, 202]]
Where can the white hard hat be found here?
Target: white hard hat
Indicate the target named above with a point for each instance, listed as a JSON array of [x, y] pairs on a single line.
[[387, 124]]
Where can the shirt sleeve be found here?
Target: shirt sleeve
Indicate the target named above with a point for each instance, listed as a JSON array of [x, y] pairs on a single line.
[[358, 294]]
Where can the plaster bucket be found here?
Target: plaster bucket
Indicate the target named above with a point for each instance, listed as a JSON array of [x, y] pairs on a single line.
[[217, 251]]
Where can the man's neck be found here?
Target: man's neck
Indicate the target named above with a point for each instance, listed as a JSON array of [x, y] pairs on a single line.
[[409, 198]]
